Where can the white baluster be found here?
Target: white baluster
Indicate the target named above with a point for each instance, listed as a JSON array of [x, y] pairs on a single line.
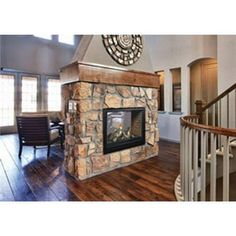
[[195, 166], [214, 115], [227, 111], [226, 170], [182, 158], [213, 168], [207, 113], [190, 154], [186, 159], [203, 165], [219, 122]]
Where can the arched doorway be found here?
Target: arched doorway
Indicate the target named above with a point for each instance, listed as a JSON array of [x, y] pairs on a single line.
[[203, 81]]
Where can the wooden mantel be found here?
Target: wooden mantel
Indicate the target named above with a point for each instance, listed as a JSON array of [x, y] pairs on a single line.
[[94, 73]]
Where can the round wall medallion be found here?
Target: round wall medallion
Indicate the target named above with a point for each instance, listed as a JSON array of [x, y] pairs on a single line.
[[124, 49]]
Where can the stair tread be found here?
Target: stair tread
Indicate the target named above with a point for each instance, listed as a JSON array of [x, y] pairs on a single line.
[[219, 153], [232, 144]]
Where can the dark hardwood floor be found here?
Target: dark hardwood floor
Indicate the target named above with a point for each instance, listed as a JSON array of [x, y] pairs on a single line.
[[38, 178]]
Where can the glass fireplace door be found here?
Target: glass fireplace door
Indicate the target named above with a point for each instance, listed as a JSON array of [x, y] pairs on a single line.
[[123, 128]]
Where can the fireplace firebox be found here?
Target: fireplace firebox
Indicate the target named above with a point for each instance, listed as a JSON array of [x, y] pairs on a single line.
[[123, 128]]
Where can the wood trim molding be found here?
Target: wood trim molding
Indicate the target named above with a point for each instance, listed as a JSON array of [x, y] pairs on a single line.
[[69, 74], [95, 73]]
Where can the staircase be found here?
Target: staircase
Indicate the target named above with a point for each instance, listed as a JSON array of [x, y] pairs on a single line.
[[208, 149]]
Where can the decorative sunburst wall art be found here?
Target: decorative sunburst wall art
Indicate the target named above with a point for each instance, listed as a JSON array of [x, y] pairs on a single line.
[[124, 49]]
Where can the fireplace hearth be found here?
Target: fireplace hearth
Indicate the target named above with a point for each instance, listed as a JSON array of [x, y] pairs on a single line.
[[123, 128]]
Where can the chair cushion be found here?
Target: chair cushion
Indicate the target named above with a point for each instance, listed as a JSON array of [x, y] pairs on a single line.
[[54, 134]]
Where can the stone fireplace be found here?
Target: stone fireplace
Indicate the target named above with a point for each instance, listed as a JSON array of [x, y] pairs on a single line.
[[113, 122]]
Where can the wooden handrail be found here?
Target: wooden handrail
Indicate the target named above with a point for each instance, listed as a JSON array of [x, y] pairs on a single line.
[[207, 128], [219, 97]]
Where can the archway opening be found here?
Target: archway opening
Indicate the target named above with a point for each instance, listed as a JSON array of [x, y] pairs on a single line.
[[203, 81]]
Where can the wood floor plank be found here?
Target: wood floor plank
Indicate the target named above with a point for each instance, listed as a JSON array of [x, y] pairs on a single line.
[[7, 161], [129, 185], [51, 178], [36, 177], [163, 194], [114, 192], [20, 187], [123, 184], [79, 189], [79, 193], [40, 190], [159, 181], [5, 189], [96, 189]]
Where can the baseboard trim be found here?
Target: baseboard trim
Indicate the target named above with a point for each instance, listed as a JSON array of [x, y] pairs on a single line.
[[170, 140]]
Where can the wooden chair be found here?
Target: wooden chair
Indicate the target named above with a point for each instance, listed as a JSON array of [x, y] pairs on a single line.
[[36, 131]]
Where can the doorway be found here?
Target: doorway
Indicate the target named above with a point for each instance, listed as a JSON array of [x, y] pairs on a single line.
[[203, 81], [18, 93]]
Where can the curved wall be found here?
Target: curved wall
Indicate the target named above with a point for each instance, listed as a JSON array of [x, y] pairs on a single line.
[[170, 51]]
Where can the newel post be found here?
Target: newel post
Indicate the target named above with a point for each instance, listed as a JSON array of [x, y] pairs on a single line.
[[199, 105]]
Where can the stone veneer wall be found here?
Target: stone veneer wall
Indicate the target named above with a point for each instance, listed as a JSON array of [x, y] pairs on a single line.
[[84, 129]]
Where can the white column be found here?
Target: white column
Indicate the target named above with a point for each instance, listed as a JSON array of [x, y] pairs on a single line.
[[185, 90], [168, 96]]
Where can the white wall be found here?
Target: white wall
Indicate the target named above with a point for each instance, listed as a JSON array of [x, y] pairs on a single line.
[[175, 50], [169, 126], [226, 54], [178, 51], [27, 53]]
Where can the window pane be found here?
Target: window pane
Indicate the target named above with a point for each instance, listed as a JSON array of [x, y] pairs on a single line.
[[44, 36], [54, 95], [68, 39], [6, 100], [29, 94]]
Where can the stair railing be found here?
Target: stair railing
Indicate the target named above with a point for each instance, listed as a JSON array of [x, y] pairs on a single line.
[[204, 137], [221, 107]]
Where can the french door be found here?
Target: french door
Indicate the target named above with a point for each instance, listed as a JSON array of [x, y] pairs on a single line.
[[7, 103], [26, 92], [18, 93]]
